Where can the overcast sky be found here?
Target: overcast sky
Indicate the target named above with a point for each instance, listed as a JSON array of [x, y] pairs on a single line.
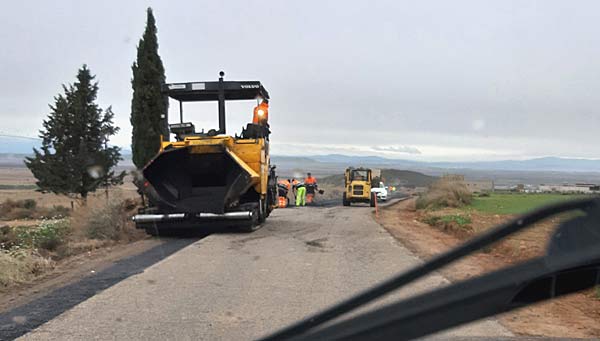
[[443, 80]]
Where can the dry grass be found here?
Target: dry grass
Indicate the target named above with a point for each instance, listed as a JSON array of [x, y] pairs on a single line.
[[31, 242], [573, 316], [445, 193], [29, 209], [106, 221], [101, 224], [28, 251], [46, 236], [21, 266]]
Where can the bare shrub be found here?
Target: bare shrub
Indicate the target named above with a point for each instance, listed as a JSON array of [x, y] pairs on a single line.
[[108, 221], [445, 193], [105, 223], [18, 209], [50, 234], [47, 235], [21, 213], [28, 251], [21, 265], [28, 209], [57, 211], [8, 237]]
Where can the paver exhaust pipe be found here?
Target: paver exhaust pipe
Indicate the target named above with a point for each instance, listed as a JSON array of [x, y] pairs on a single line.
[[155, 218]]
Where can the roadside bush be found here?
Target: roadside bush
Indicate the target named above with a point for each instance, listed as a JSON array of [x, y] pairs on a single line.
[[431, 220], [22, 213], [28, 209], [21, 265], [29, 204], [452, 222], [58, 211], [18, 209], [108, 222], [48, 235], [8, 237], [445, 193], [460, 220]]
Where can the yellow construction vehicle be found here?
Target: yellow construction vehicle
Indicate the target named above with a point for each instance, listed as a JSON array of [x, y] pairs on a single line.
[[357, 183], [211, 176]]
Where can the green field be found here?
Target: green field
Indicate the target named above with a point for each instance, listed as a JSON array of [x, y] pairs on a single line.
[[9, 187], [516, 203]]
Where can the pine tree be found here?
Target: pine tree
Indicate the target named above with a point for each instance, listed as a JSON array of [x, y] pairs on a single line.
[[148, 105], [75, 158]]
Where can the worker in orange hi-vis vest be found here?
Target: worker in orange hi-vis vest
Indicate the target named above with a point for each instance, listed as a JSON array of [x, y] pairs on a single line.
[[283, 188], [311, 187], [261, 113], [294, 183]]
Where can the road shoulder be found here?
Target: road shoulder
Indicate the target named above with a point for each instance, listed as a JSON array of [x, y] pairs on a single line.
[[559, 318]]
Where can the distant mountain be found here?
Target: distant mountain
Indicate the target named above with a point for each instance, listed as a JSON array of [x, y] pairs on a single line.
[[406, 177], [12, 160], [545, 164], [390, 176], [540, 164], [24, 145], [18, 145], [14, 149], [339, 158], [294, 159]]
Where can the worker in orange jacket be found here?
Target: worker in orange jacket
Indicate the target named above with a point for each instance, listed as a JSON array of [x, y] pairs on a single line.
[[286, 183], [311, 187], [283, 187], [261, 113], [310, 179], [294, 183]]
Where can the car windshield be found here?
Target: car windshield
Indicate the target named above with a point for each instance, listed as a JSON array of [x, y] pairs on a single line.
[[155, 161]]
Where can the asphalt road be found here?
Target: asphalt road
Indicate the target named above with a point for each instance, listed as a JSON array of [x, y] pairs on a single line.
[[234, 286], [338, 202]]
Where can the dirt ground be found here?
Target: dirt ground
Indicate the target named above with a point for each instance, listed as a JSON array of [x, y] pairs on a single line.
[[576, 315], [22, 176]]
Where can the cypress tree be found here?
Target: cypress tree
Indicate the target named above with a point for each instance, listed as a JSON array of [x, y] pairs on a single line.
[[148, 105], [75, 158]]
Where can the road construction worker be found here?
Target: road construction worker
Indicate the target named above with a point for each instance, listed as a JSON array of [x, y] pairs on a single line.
[[285, 183], [283, 188], [300, 194], [311, 187], [310, 179], [294, 182], [261, 113]]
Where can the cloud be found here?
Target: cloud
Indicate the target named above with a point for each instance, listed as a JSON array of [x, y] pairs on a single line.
[[397, 149], [470, 87]]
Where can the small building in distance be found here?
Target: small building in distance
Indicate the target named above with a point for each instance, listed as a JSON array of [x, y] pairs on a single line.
[[504, 188], [571, 188]]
